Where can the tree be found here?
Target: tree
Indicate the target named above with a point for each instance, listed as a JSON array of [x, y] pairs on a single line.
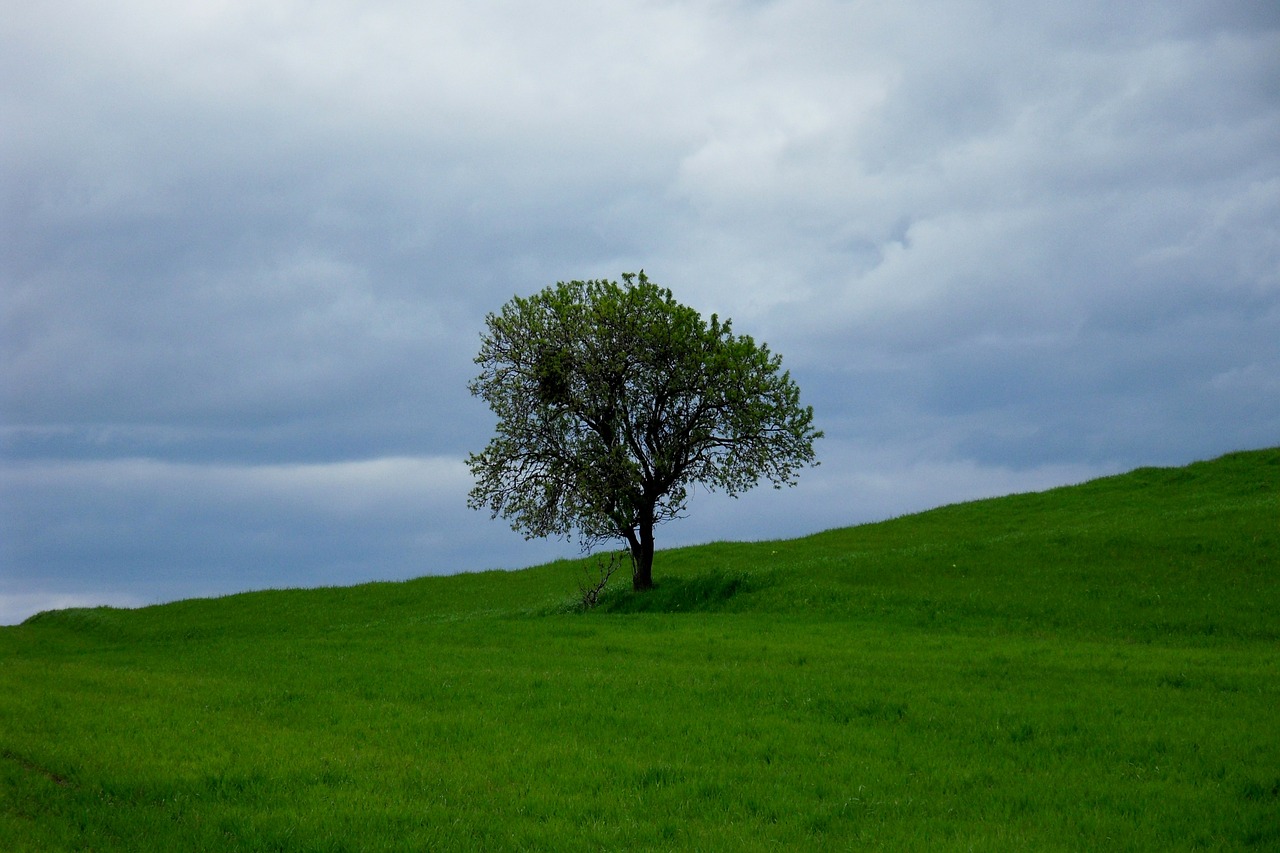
[[612, 400]]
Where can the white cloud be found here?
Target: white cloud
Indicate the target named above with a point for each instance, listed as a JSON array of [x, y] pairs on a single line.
[[858, 484], [400, 486], [253, 244], [123, 530]]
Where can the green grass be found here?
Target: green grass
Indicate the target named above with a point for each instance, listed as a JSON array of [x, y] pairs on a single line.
[[1093, 667]]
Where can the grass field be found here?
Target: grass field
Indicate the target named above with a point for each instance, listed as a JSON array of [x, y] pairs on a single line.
[[1089, 668]]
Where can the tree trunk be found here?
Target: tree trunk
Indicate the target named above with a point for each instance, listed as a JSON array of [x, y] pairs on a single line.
[[642, 557]]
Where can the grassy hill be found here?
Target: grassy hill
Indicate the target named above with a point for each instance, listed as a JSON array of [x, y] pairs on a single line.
[[1092, 667]]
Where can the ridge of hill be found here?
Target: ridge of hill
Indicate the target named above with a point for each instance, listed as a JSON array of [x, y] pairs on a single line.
[[1189, 551]]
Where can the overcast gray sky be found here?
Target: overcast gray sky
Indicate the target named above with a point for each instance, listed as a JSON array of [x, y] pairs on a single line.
[[248, 248]]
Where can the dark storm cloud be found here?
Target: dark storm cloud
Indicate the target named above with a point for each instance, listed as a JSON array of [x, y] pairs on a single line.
[[248, 249]]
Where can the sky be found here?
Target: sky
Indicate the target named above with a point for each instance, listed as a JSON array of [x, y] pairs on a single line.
[[248, 249]]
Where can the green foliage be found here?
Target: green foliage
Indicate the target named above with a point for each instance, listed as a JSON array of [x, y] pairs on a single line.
[[1093, 667], [613, 399]]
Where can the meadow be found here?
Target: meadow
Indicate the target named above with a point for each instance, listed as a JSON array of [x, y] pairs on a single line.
[[1095, 667]]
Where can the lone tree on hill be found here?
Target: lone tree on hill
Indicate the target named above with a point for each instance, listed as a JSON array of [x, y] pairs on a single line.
[[612, 400]]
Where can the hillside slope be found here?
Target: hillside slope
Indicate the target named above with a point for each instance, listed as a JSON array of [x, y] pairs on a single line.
[[1191, 551], [1091, 667]]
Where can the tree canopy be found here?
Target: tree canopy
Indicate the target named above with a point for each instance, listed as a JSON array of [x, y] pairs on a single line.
[[612, 400]]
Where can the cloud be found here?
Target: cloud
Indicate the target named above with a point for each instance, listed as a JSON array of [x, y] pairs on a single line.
[[182, 529], [250, 247]]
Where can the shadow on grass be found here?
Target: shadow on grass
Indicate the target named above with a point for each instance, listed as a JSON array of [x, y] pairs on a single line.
[[699, 594]]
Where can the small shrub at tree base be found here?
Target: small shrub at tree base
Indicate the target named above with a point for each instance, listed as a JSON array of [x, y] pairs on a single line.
[[596, 577]]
